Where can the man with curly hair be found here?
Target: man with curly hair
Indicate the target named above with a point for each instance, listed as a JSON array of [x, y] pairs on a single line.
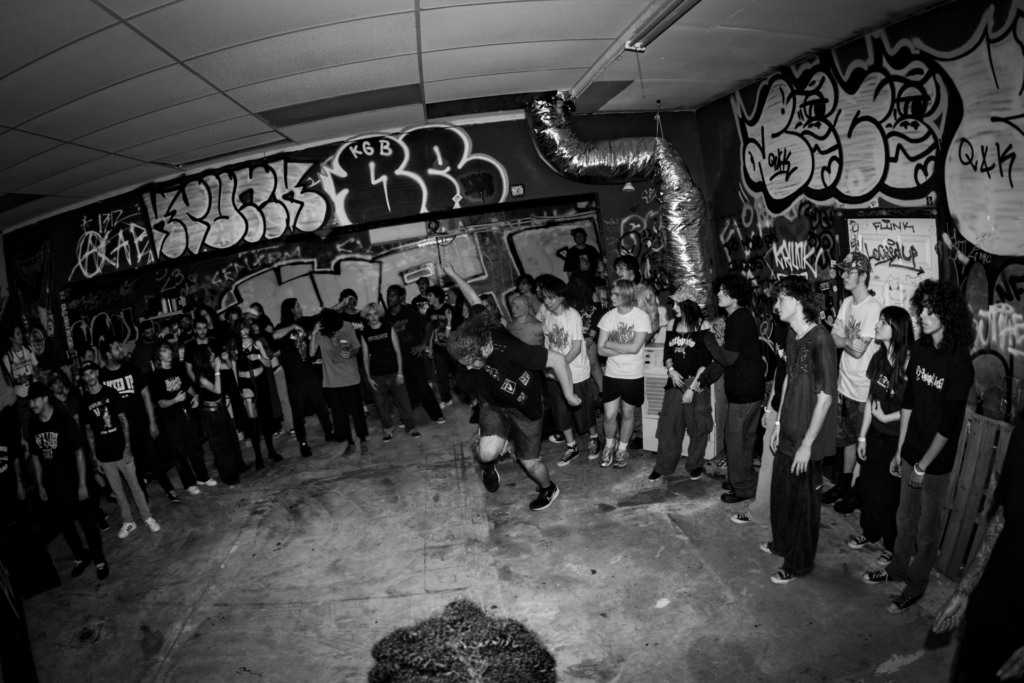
[[939, 378]]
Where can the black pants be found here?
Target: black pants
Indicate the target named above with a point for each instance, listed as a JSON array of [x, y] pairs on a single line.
[[879, 490], [186, 444], [223, 442], [144, 452], [346, 403], [297, 395], [418, 385], [444, 366], [796, 514], [67, 510]]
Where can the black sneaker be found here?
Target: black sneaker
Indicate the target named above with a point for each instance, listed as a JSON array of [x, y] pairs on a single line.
[[556, 438], [79, 568], [901, 604], [102, 523], [875, 577], [173, 497], [545, 498], [414, 434], [102, 571], [571, 453], [655, 475], [492, 480], [388, 436], [696, 474], [304, 449]]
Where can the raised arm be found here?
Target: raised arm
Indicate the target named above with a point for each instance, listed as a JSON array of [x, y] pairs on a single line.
[[471, 296]]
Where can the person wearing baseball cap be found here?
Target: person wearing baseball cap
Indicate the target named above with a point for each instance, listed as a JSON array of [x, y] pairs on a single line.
[[853, 333]]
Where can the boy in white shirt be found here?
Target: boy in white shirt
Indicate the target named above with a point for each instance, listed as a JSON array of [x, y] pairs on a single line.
[[622, 333], [563, 333]]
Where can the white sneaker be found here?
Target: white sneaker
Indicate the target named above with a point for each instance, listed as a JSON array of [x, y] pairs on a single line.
[[444, 404], [126, 529], [153, 526], [208, 482], [194, 490]]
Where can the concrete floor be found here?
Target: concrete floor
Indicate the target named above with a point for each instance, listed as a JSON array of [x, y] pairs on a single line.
[[294, 575]]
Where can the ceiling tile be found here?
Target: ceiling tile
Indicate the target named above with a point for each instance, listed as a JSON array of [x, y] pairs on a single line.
[[535, 20], [496, 59], [101, 60], [34, 211], [481, 86], [347, 126], [126, 100], [195, 27], [197, 137], [122, 180], [802, 18], [674, 95], [16, 146], [158, 124], [249, 144], [44, 165], [131, 8], [315, 48], [96, 168], [324, 83], [30, 30]]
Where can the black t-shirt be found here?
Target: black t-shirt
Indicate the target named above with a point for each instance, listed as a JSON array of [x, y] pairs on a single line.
[[8, 481], [588, 315], [582, 260], [129, 382], [165, 384], [937, 389], [511, 377], [688, 353], [100, 412], [294, 347], [409, 325], [810, 370], [196, 352], [383, 360], [55, 442], [780, 332], [744, 379], [889, 397], [439, 316]]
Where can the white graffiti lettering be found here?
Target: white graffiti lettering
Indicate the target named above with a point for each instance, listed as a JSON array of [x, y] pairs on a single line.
[[117, 242], [1001, 328]]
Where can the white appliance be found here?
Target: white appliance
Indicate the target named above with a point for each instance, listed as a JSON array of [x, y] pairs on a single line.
[[655, 378]]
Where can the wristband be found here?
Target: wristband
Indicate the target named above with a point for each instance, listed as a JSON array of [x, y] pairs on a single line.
[[918, 471], [777, 423], [861, 438]]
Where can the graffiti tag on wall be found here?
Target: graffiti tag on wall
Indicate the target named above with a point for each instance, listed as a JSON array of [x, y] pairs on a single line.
[[111, 241]]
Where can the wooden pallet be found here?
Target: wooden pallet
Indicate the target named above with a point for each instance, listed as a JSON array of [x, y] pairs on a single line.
[[979, 462]]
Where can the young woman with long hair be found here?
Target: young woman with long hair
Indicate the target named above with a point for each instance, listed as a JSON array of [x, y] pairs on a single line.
[[880, 431], [227, 455], [252, 369]]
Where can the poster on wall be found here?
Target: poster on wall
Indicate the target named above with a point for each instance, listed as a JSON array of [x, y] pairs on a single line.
[[901, 245]]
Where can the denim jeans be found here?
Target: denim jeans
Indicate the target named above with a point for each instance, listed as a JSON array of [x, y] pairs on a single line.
[[347, 407], [918, 527], [740, 433], [760, 510], [187, 445], [388, 386], [796, 514], [113, 471]]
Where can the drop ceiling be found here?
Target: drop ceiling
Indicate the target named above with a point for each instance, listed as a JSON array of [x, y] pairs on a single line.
[[100, 96]]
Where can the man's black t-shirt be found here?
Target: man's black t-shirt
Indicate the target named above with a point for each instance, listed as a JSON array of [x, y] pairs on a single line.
[[511, 376], [780, 332], [294, 348], [100, 412], [409, 325], [128, 381], [582, 260], [440, 318], [383, 360], [167, 383], [890, 398], [196, 352], [937, 388], [744, 379], [56, 442]]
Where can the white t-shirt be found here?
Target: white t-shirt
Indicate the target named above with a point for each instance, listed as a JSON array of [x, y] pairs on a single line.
[[623, 329], [853, 321], [22, 368], [560, 331]]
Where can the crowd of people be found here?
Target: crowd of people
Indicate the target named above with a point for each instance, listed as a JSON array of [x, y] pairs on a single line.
[[882, 392]]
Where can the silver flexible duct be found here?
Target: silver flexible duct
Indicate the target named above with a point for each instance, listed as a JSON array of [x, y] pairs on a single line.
[[610, 162]]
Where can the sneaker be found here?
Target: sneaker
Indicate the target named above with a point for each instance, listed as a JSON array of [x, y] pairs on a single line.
[[545, 498], [607, 457], [766, 547], [173, 497], [740, 518], [571, 453], [153, 526], [126, 529], [875, 576], [291, 432], [594, 450], [884, 559], [102, 571], [440, 421], [103, 524], [901, 603], [556, 438], [492, 480], [388, 436], [714, 469], [278, 433], [621, 458], [79, 568], [414, 434], [655, 475], [444, 404], [858, 542], [696, 474], [194, 490], [304, 450], [209, 482], [783, 576]]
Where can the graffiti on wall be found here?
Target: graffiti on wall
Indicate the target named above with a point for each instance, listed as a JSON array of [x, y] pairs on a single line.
[[110, 241]]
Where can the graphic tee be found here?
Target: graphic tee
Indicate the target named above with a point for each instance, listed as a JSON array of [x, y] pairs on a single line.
[[583, 260], [623, 329], [689, 353], [409, 325], [890, 398], [383, 360], [167, 383], [560, 331], [55, 442], [21, 367], [128, 381], [439, 316], [99, 412], [810, 370], [340, 371], [294, 348], [511, 376], [856, 321]]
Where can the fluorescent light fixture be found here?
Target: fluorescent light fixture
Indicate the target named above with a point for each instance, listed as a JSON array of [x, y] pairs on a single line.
[[659, 23]]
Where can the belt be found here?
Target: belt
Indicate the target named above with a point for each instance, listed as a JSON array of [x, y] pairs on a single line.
[[211, 405]]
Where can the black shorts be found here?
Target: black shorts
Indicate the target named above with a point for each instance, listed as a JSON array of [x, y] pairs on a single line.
[[629, 390], [849, 418], [509, 422]]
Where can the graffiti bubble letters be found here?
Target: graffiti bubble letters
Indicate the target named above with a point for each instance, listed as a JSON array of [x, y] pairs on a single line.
[[894, 254], [1001, 328], [219, 210], [117, 242]]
